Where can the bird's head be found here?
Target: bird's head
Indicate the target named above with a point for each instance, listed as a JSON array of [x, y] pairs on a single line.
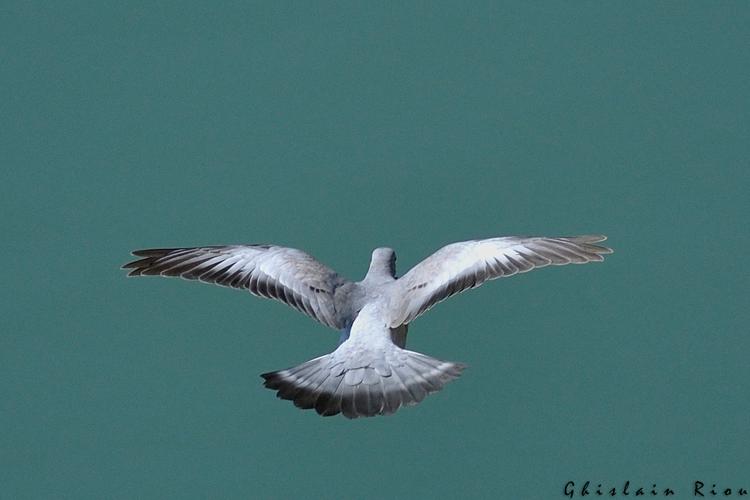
[[382, 264]]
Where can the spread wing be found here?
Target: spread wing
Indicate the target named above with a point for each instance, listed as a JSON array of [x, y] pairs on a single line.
[[288, 275], [461, 266]]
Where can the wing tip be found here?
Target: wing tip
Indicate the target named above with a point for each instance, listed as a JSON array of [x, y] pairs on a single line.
[[588, 238], [592, 240], [152, 252], [135, 267], [147, 257]]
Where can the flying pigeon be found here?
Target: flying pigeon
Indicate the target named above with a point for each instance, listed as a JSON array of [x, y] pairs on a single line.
[[370, 372]]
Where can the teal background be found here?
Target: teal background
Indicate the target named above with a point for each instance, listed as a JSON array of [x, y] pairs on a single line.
[[336, 128]]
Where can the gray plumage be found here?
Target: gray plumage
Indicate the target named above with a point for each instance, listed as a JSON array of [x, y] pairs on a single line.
[[370, 372]]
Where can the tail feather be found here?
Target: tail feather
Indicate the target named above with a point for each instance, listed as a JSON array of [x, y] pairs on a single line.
[[412, 391], [374, 382], [329, 404]]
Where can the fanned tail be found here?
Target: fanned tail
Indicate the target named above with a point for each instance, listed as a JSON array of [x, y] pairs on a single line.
[[362, 382]]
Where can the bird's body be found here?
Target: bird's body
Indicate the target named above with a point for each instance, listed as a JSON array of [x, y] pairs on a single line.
[[370, 372]]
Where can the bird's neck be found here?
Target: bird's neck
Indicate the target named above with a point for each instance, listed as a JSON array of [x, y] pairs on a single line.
[[380, 272]]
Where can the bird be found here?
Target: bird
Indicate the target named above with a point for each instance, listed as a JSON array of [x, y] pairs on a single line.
[[370, 372]]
